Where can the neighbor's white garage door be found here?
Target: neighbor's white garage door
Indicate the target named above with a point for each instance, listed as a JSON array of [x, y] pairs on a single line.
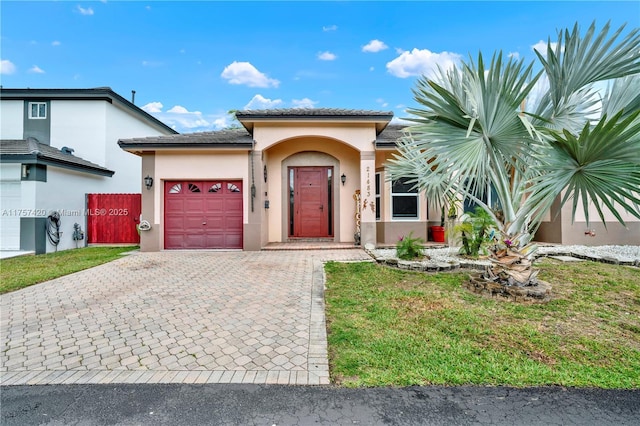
[[9, 217]]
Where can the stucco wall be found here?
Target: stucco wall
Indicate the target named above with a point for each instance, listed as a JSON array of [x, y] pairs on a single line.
[[560, 228], [360, 136], [345, 160], [65, 192], [123, 125], [81, 125], [11, 119]]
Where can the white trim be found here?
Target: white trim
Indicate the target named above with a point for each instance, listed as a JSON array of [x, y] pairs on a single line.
[[404, 194], [31, 117]]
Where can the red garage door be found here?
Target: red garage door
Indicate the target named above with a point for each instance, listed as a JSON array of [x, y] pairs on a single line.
[[203, 215]]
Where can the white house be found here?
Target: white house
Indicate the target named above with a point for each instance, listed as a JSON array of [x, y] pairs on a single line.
[[56, 146]]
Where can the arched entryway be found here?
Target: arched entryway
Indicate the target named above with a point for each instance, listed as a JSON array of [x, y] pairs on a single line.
[[310, 201]]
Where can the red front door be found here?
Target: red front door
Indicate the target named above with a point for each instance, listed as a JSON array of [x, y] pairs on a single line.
[[311, 206]]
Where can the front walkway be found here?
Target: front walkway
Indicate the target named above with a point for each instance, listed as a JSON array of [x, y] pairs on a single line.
[[174, 317]]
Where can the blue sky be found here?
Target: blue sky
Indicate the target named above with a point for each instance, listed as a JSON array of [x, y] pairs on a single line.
[[191, 62]]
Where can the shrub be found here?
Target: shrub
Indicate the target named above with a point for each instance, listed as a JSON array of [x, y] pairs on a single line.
[[409, 247], [475, 232]]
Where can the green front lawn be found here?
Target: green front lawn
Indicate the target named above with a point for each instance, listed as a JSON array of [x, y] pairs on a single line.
[[399, 328], [23, 271]]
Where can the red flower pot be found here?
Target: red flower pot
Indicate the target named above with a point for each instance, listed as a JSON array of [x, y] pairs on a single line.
[[438, 233]]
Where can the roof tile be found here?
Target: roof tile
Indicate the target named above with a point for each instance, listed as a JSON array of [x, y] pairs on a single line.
[[30, 147]]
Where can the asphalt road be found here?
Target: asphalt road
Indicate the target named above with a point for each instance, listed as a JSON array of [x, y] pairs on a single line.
[[229, 404]]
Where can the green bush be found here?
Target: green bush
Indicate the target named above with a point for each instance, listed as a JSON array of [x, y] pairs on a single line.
[[409, 247], [475, 232]]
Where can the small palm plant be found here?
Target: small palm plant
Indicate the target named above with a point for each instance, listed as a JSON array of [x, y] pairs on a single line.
[[475, 232], [409, 247]]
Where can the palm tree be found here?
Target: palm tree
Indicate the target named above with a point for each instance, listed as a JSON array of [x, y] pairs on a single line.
[[531, 137]]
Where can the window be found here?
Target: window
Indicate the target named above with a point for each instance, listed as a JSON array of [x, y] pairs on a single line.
[[37, 110], [378, 203], [404, 199]]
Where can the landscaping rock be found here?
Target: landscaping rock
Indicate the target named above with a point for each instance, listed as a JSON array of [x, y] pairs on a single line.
[[540, 292]]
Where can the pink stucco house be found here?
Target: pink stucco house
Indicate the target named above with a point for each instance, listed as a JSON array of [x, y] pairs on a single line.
[[295, 174]]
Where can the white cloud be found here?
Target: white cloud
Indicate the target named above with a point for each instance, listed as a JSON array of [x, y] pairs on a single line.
[[182, 110], [421, 62], [382, 102], [330, 28], [514, 55], [541, 47], [83, 11], [399, 50], [398, 121], [245, 73], [327, 56], [152, 107], [7, 67], [183, 120], [55, 43], [260, 102], [303, 103], [371, 68], [36, 70], [152, 64], [374, 46]]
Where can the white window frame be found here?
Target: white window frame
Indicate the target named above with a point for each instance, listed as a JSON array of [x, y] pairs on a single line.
[[38, 117], [405, 194]]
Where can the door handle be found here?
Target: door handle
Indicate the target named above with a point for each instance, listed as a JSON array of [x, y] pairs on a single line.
[[321, 207]]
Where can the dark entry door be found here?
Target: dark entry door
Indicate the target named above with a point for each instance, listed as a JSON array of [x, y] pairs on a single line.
[[312, 203]]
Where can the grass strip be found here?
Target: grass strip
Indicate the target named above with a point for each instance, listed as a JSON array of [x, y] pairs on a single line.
[[23, 271], [389, 327]]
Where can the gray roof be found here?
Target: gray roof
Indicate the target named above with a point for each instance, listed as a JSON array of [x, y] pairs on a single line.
[[30, 151], [248, 117], [331, 113], [228, 138], [97, 93], [389, 136], [242, 138]]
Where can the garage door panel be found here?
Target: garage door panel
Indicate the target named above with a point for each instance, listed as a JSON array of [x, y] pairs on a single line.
[[10, 199], [203, 214], [232, 223], [193, 222], [194, 241], [216, 240], [233, 240], [174, 240], [174, 223], [234, 205], [192, 205]]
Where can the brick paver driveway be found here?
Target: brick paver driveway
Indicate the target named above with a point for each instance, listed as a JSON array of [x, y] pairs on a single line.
[[185, 317]]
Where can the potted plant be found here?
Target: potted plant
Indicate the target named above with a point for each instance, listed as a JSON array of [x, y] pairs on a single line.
[[438, 232]]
